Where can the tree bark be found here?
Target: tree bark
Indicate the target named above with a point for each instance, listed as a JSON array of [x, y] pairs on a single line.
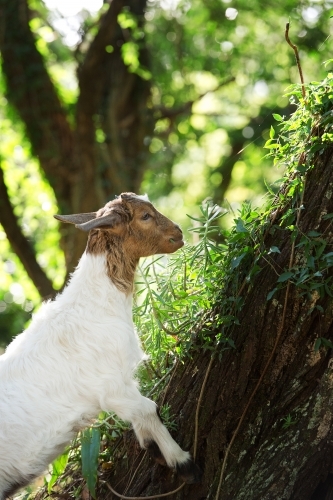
[[284, 447]]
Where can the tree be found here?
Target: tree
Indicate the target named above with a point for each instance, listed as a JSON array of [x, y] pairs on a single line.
[[151, 93], [263, 407], [69, 155]]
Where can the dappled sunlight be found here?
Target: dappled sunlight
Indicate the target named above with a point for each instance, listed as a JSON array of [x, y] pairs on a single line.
[[25, 182]]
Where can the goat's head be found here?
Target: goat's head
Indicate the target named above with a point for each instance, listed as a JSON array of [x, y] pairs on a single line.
[[143, 230]]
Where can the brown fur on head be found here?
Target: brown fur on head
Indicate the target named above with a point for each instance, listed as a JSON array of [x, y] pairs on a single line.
[[126, 229]]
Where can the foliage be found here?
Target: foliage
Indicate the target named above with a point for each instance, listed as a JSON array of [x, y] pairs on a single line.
[[303, 139], [12, 319], [90, 446], [58, 467], [230, 123], [34, 206], [288, 421]]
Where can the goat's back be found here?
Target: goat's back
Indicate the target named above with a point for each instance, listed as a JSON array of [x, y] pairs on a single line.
[[55, 376]]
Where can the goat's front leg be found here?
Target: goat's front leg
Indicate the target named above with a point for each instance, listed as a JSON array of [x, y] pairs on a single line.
[[153, 435]]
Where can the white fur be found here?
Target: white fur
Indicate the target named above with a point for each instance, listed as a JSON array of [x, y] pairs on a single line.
[[143, 197], [75, 359]]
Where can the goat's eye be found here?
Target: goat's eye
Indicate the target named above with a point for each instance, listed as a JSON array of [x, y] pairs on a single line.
[[146, 216]]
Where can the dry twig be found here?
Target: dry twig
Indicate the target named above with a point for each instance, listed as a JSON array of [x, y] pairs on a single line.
[[298, 62]]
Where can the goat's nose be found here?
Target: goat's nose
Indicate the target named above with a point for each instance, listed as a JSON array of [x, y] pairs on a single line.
[[177, 227]]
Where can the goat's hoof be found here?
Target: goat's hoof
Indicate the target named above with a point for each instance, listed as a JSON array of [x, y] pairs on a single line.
[[189, 472]]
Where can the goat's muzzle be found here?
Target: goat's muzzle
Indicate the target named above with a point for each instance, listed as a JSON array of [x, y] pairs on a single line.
[[176, 243], [177, 239]]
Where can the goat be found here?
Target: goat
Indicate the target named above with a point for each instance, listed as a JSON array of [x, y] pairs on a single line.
[[79, 354]]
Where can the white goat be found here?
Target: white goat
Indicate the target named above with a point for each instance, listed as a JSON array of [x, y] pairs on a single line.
[[79, 354]]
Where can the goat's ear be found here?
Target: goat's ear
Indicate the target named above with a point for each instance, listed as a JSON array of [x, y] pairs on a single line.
[[76, 218], [126, 199], [108, 221], [127, 196]]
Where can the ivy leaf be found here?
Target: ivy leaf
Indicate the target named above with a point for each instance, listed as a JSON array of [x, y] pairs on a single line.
[[321, 341], [313, 234], [326, 343], [274, 249], [235, 261], [240, 227], [231, 342], [285, 276], [271, 293], [317, 344]]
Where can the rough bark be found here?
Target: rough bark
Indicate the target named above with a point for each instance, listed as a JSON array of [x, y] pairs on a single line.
[[269, 459]]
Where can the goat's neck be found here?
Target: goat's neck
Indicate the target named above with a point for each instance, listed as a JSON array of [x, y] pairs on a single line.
[[120, 265]]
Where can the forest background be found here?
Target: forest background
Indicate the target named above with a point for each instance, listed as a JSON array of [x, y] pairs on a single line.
[[175, 99]]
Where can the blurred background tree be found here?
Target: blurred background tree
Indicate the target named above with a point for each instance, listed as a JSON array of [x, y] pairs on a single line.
[[173, 98]]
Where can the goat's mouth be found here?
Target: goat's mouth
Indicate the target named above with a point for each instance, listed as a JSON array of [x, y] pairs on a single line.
[[178, 243]]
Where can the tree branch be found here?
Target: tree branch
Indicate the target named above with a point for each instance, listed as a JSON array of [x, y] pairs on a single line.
[[21, 245], [91, 78], [32, 93], [112, 99], [171, 113], [91, 73], [298, 62]]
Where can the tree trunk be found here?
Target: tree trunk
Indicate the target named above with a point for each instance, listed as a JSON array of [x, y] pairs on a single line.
[[284, 446], [21, 244], [84, 171]]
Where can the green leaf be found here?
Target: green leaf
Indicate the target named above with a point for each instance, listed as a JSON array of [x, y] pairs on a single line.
[[240, 227], [314, 234], [268, 187], [310, 262], [328, 290], [272, 132], [90, 446], [285, 276], [235, 261], [328, 255], [326, 343], [271, 293], [58, 467], [269, 145], [321, 341], [317, 344], [231, 343], [274, 249], [302, 278], [278, 117]]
